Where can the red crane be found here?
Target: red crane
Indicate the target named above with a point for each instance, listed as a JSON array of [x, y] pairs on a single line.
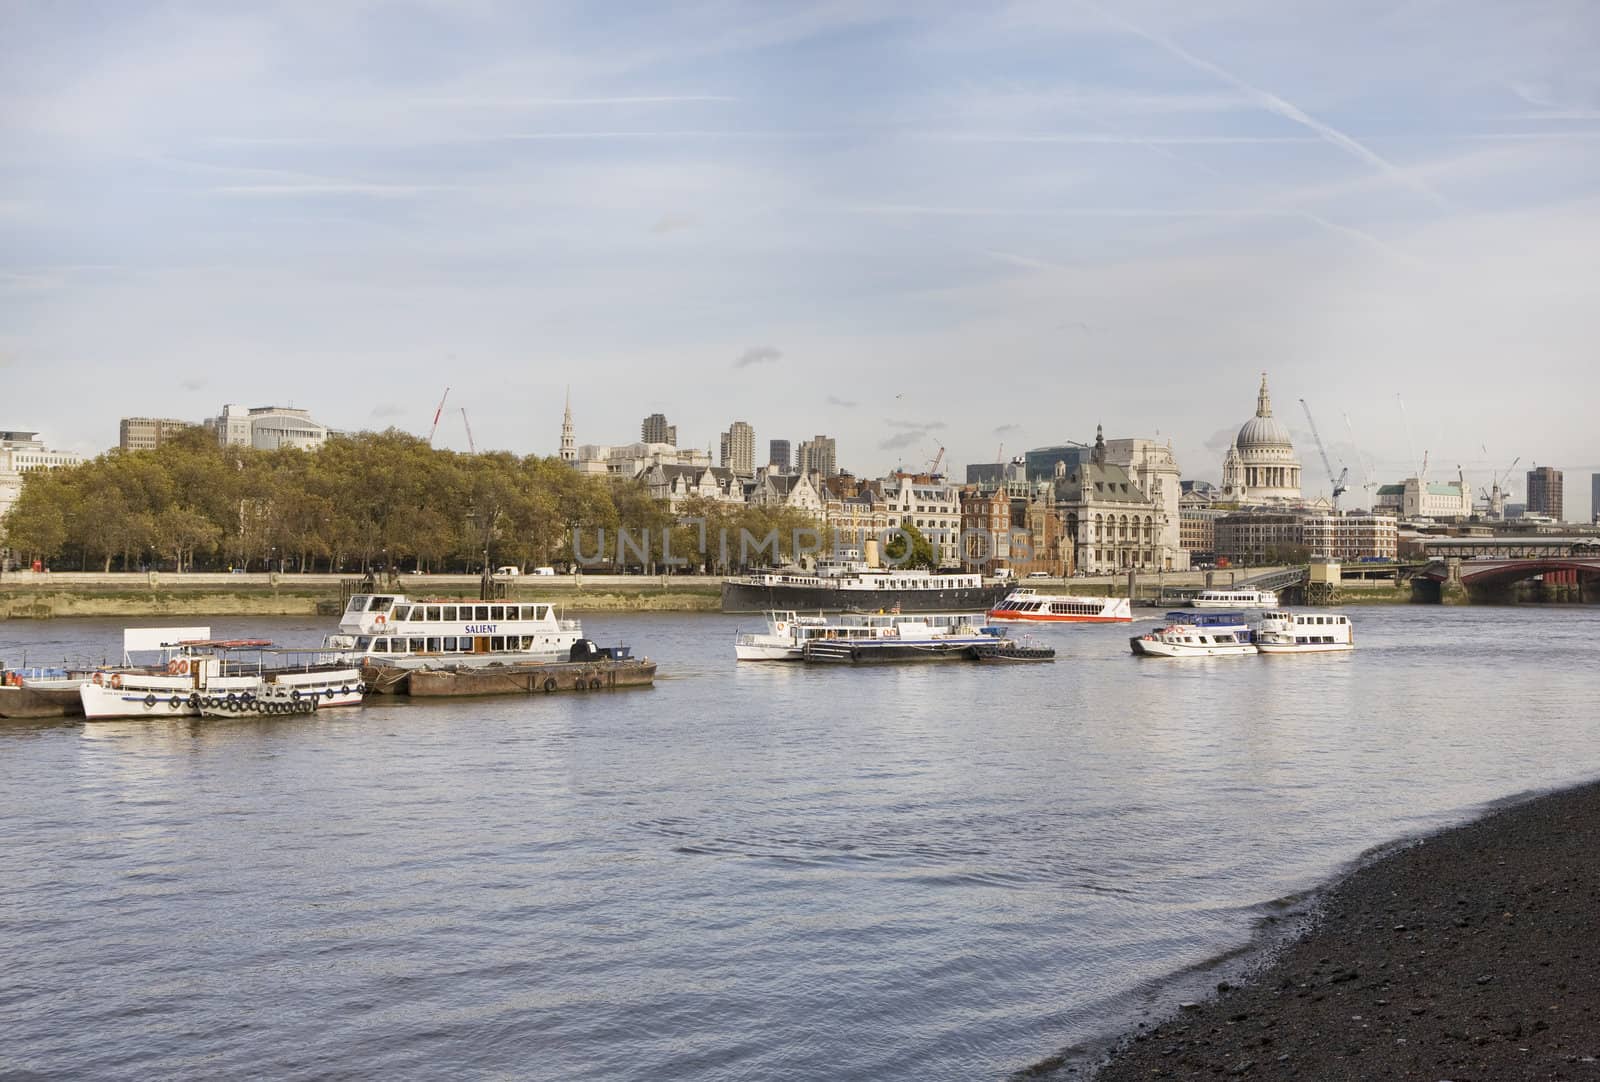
[[436, 414]]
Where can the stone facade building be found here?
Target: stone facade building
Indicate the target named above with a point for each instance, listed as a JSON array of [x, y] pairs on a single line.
[[1261, 468], [1258, 537], [1108, 519], [1155, 470], [148, 433], [933, 507]]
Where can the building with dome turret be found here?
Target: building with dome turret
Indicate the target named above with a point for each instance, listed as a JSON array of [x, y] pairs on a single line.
[[1261, 468]]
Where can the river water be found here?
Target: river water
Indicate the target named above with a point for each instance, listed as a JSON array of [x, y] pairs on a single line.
[[751, 871]]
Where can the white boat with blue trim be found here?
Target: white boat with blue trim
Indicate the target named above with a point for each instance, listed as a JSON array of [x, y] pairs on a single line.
[[1212, 634]]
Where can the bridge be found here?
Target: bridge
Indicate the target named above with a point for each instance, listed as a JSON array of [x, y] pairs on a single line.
[[1494, 568]]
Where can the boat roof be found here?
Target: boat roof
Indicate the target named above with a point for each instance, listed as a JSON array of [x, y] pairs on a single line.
[[227, 644]]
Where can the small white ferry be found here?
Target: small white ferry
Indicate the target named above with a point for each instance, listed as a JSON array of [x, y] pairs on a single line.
[[1221, 634], [197, 675], [1026, 605], [787, 633], [1304, 633], [400, 632], [1227, 597]]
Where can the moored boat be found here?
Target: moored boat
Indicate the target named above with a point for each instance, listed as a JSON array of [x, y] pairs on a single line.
[[851, 584], [903, 639], [1304, 633], [787, 633], [1218, 634], [1029, 605], [1241, 597], [393, 631], [37, 692], [587, 668], [195, 675]]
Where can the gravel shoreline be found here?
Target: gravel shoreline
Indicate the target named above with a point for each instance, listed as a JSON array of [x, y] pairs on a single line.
[[1470, 956]]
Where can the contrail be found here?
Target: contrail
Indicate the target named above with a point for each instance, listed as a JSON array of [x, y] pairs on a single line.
[[1274, 104]]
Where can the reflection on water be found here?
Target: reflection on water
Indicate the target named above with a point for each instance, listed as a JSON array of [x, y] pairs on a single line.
[[751, 871]]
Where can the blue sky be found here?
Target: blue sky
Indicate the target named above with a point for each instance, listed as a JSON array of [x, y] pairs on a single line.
[[929, 224]]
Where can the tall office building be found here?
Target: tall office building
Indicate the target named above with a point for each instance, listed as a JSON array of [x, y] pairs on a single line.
[[1594, 498], [778, 455], [654, 429], [148, 433], [1544, 491], [739, 449], [819, 455]]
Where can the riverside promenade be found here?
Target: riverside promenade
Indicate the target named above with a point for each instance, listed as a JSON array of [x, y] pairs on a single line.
[[42, 595], [1471, 956]]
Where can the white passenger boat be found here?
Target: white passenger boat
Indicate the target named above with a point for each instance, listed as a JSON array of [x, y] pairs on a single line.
[[1304, 633], [1026, 605], [398, 632], [193, 675], [1243, 597], [1220, 634], [787, 633]]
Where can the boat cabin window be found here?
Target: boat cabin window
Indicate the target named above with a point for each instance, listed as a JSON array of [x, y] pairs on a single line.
[[402, 612], [363, 642], [497, 612], [482, 612], [433, 646], [418, 645], [380, 646], [358, 603], [382, 604]]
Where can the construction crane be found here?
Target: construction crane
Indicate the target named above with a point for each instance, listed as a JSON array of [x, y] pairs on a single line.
[[1498, 492], [1367, 483], [1337, 482], [436, 414], [933, 470], [471, 446]]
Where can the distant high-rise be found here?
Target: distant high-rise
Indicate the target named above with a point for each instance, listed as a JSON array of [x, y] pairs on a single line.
[[1594, 498], [778, 455], [1544, 491], [739, 449], [819, 455], [148, 433], [569, 446], [655, 429]]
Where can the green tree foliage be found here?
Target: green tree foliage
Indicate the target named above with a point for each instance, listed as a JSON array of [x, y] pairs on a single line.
[[361, 501], [922, 554]]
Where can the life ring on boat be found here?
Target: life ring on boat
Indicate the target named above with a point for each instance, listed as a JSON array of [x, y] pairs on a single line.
[[149, 702], [594, 683], [99, 679], [549, 683], [116, 681], [380, 619]]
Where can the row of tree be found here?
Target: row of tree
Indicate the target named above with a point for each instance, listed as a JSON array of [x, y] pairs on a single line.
[[371, 500]]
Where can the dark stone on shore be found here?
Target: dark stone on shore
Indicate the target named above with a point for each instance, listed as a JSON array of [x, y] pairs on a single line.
[[1472, 956]]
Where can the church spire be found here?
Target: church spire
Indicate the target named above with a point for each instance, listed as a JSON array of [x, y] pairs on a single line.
[[1263, 399], [1099, 455], [569, 448]]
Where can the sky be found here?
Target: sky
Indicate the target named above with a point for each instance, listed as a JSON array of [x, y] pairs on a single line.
[[905, 225]]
